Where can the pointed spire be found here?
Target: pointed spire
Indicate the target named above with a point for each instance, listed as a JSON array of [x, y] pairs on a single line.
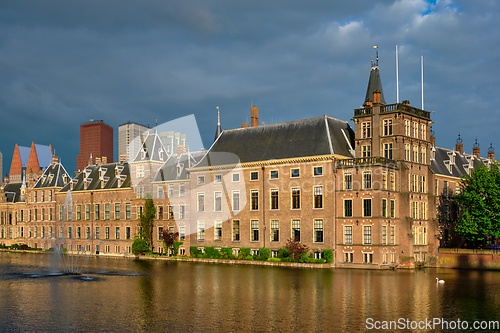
[[218, 131], [374, 83], [23, 186]]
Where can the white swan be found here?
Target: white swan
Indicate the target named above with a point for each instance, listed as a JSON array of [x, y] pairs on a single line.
[[439, 281]]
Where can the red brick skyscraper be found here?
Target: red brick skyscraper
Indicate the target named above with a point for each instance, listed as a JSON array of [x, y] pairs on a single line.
[[96, 139]]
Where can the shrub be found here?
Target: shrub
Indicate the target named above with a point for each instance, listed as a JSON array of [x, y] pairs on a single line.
[[328, 255], [287, 259], [296, 248], [195, 252], [176, 246], [226, 252], [244, 252], [304, 258], [265, 253], [319, 261], [140, 246], [249, 257], [15, 247], [274, 259], [283, 253], [212, 253]]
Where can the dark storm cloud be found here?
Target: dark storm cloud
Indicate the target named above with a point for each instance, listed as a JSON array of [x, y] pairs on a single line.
[[63, 63]]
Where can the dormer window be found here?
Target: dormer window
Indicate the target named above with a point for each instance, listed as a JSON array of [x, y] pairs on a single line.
[[102, 172], [73, 183], [433, 153], [452, 158], [86, 183], [118, 170], [65, 178], [143, 153], [179, 169], [104, 181], [160, 153]]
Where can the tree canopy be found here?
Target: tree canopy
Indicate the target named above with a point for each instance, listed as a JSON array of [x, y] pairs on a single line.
[[147, 220], [479, 201]]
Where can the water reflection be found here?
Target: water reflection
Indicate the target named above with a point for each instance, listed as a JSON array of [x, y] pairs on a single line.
[[145, 295]]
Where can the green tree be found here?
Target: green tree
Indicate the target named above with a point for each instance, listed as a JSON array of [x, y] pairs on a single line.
[[147, 220], [139, 246], [479, 201]]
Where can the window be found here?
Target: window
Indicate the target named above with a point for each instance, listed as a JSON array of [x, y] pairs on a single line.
[[106, 211], [415, 154], [117, 232], [255, 199], [367, 234], [423, 211], [367, 180], [367, 207], [274, 198], [296, 230], [170, 212], [422, 155], [436, 186], [201, 180], [388, 127], [218, 179], [106, 231], [201, 202], [393, 181], [236, 230], [415, 210], [388, 150], [348, 181], [273, 174], [407, 128], [201, 230], [415, 130], [445, 188], [160, 191], [422, 131], [236, 177], [366, 151], [348, 208], [296, 198], [117, 211], [384, 180], [70, 213], [348, 234], [87, 212], [348, 257], [181, 190], [384, 207], [255, 230], [43, 196], [170, 190], [127, 211], [50, 195], [384, 235], [236, 200], [140, 171], [218, 201], [160, 212], [367, 258], [275, 231], [424, 235], [182, 233], [295, 173], [407, 152], [254, 175], [182, 212], [318, 196], [422, 184], [393, 235], [97, 212], [414, 183], [218, 230], [318, 171], [365, 130], [36, 195], [318, 231], [393, 208], [127, 233], [70, 234]]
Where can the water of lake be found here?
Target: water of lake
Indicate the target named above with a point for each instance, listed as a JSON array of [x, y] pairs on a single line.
[[153, 295]]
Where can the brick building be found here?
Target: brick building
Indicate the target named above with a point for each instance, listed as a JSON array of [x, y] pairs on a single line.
[[96, 140]]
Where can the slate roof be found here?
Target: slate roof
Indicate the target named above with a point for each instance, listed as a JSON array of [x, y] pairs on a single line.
[[374, 83], [153, 149], [168, 171], [97, 177], [302, 138], [443, 157], [53, 176], [12, 191]]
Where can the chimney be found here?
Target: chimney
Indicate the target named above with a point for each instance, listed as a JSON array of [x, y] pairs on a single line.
[[491, 153], [244, 125], [104, 160], [475, 149], [97, 160], [55, 160], [123, 158], [255, 117], [433, 140], [180, 150], [6, 180], [376, 96], [459, 146]]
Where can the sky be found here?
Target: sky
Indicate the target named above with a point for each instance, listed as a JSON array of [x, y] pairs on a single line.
[[63, 63]]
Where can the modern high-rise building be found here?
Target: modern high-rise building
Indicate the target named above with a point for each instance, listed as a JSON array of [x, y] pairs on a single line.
[[126, 134], [171, 140], [96, 140]]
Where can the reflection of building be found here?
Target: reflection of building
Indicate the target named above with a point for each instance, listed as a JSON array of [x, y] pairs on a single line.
[[172, 140], [33, 160], [129, 139], [96, 140]]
